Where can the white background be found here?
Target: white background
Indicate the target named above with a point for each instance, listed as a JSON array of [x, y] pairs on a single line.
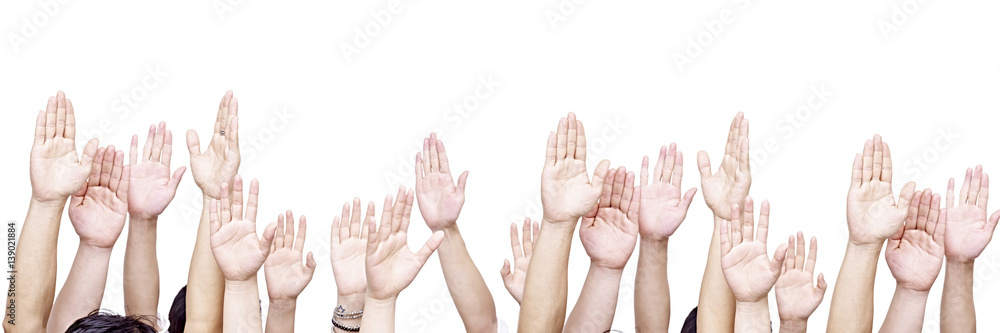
[[319, 128]]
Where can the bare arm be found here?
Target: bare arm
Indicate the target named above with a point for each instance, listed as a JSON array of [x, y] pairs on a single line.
[[56, 173], [285, 274], [218, 164], [652, 292], [440, 202], [746, 267], [797, 297], [567, 194], [728, 186]]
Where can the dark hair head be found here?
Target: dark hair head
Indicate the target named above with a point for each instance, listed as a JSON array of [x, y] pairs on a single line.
[[99, 322], [178, 312], [691, 322]]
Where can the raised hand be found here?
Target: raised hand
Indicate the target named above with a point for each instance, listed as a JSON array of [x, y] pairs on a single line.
[[731, 183], [968, 230], [284, 272], [98, 209], [389, 264], [662, 207], [609, 232], [872, 214], [567, 192], [349, 237], [235, 245], [220, 162], [513, 279], [56, 171], [440, 201], [916, 251], [744, 257], [152, 186], [797, 297]]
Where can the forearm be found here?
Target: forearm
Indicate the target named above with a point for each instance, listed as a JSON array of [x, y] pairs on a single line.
[[466, 285], [752, 317], [852, 307], [280, 316], [958, 311], [595, 308], [543, 305], [716, 304], [206, 285], [380, 316], [84, 287], [351, 303], [792, 326], [652, 292], [906, 312], [141, 274], [35, 280], [241, 312]]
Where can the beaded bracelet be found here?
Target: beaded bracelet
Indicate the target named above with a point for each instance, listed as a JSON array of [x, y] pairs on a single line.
[[342, 313]]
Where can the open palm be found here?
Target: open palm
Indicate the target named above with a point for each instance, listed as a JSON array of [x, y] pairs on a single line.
[[731, 183], [440, 201], [968, 231], [513, 278], [56, 171], [284, 272], [220, 162], [234, 241], [797, 297], [567, 192], [152, 186], [98, 210], [662, 207], [349, 236], [745, 265], [389, 265], [872, 213], [915, 253], [609, 233]]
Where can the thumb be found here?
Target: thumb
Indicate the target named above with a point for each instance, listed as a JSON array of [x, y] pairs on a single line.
[[505, 272], [310, 264], [432, 244], [461, 181], [821, 283], [704, 165], [268, 237], [992, 224], [779, 259], [599, 174], [194, 147], [688, 197], [89, 152], [175, 180], [905, 195]]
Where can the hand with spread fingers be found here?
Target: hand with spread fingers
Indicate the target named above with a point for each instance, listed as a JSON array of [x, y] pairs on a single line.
[[914, 255], [872, 213], [349, 243], [98, 209], [567, 192], [746, 266], [609, 232], [439, 199], [663, 208], [220, 162], [237, 249], [797, 297], [152, 185], [56, 170], [285, 274], [513, 277], [731, 182]]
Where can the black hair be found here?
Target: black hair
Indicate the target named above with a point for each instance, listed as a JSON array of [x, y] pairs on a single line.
[[100, 321], [178, 312], [691, 322]]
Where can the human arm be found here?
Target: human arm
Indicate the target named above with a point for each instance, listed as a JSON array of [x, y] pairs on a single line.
[[608, 234], [285, 274], [746, 267], [440, 202], [239, 254], [728, 186], [914, 255], [969, 232], [389, 265], [872, 217], [218, 164], [794, 291], [661, 211], [567, 194], [56, 172], [349, 240], [97, 213], [513, 277]]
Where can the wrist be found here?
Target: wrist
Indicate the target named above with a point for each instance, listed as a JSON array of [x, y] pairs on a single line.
[[963, 265], [281, 304], [865, 247], [356, 300], [94, 250], [911, 292], [653, 242], [796, 325], [953, 261], [369, 296], [241, 285], [606, 270], [752, 306], [140, 223], [560, 222], [52, 204]]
